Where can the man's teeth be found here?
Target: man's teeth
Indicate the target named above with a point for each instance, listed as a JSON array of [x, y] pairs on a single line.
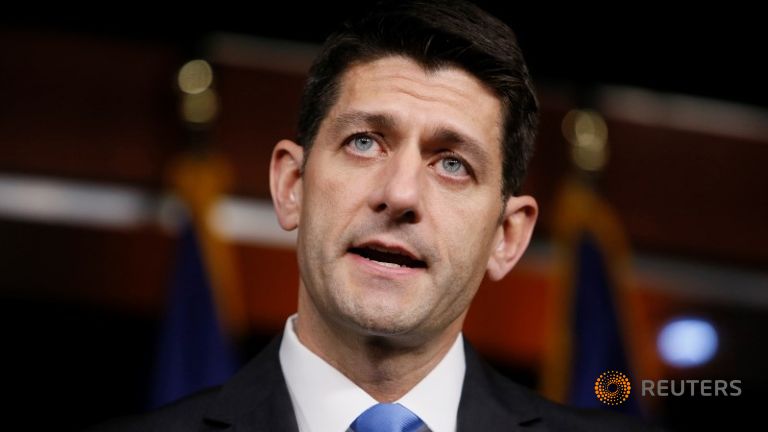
[[386, 264], [388, 258]]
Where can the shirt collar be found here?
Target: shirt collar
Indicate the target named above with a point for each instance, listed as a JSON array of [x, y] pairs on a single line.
[[435, 399], [324, 399]]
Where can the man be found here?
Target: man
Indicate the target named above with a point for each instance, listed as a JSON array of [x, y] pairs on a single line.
[[416, 126]]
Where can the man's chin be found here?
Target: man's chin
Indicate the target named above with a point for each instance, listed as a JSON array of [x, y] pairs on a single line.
[[388, 326]]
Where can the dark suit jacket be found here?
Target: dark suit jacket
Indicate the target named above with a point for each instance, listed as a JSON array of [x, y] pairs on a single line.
[[256, 399]]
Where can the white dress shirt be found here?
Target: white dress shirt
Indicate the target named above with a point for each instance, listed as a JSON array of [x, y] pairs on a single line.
[[325, 400]]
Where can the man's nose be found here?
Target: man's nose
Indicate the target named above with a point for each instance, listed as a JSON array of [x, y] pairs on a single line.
[[400, 188]]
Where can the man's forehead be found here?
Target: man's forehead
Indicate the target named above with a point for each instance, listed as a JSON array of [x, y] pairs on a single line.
[[448, 78], [374, 93]]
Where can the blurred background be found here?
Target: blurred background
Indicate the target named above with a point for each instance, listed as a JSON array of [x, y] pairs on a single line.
[[136, 229]]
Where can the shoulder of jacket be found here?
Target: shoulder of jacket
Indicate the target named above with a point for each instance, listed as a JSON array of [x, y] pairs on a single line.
[[184, 414]]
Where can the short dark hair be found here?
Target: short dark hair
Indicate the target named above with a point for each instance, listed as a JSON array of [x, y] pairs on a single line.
[[435, 34]]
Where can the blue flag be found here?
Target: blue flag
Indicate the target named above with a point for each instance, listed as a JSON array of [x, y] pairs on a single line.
[[598, 345], [193, 351]]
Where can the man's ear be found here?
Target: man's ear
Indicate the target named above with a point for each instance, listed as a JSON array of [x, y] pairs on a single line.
[[512, 235], [285, 182]]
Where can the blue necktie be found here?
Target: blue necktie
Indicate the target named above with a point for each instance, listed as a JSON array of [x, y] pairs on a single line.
[[388, 418]]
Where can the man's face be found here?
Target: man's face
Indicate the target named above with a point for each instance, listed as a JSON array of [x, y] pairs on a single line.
[[400, 199]]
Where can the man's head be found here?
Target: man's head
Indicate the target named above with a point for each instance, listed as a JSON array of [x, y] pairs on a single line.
[[398, 205]]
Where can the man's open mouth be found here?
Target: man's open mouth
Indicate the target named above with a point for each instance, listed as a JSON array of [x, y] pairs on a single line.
[[391, 258]]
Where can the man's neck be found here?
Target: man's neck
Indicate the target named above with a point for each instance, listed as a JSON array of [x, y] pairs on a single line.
[[383, 367]]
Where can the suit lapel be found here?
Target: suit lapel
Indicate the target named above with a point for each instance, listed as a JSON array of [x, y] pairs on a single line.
[[490, 402], [256, 399]]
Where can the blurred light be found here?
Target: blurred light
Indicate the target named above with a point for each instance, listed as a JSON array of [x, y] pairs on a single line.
[[687, 342], [588, 134], [199, 108], [60, 201], [243, 220], [57, 201], [195, 77]]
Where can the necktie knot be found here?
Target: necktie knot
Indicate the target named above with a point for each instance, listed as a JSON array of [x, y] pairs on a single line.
[[388, 417]]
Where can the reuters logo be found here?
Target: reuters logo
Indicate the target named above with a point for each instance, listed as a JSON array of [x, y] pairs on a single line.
[[612, 388]]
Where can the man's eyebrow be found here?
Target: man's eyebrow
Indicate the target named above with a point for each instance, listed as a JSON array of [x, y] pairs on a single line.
[[464, 143], [385, 122], [373, 120]]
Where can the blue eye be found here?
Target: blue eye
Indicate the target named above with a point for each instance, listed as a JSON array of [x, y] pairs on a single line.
[[362, 143], [452, 165]]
